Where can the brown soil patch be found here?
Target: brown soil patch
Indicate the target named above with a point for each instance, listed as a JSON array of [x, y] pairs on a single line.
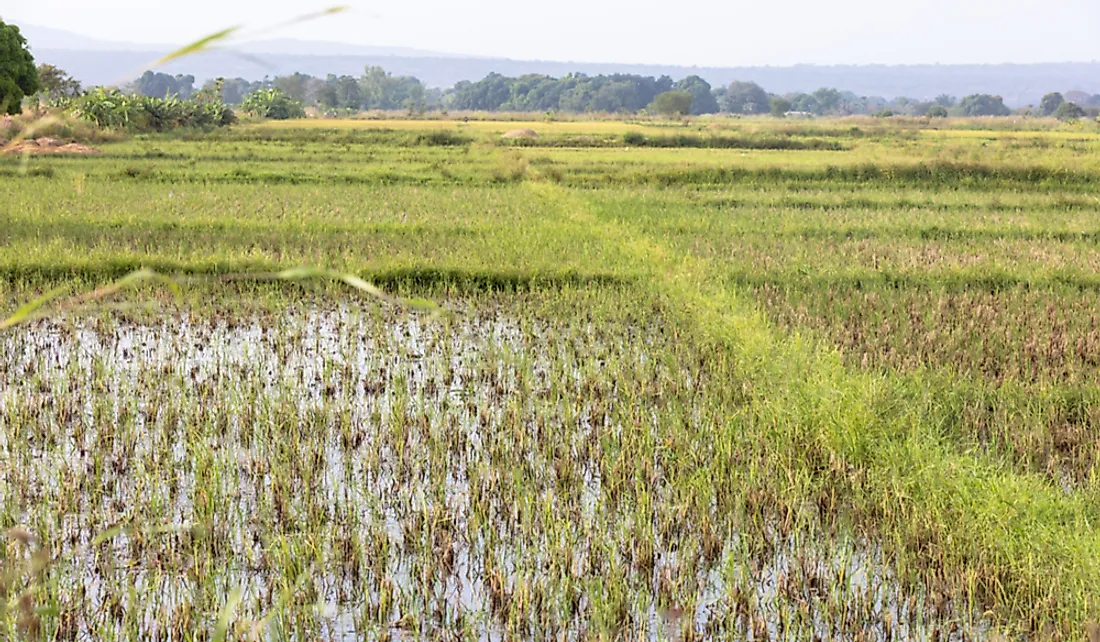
[[42, 146]]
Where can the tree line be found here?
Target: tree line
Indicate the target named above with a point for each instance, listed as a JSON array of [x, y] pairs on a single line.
[[375, 89]]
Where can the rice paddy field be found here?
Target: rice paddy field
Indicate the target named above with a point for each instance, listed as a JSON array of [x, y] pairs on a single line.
[[738, 380]]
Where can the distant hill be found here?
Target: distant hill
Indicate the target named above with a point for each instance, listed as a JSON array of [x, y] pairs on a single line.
[[292, 47], [44, 40], [100, 62]]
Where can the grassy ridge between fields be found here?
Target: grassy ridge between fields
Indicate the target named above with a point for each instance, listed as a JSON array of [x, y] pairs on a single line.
[[947, 513]]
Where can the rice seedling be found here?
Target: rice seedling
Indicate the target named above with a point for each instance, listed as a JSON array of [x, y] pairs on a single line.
[[687, 390], [518, 469]]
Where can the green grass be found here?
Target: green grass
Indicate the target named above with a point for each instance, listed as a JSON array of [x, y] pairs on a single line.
[[671, 368]]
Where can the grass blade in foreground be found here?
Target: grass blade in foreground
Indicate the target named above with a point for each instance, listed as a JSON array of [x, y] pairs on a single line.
[[39, 306]]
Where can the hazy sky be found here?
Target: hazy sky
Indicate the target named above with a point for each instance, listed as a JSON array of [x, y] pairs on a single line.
[[705, 33]]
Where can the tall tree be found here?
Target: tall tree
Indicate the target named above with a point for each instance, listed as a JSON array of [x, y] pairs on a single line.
[[946, 101], [747, 98], [983, 105], [347, 92], [185, 85], [828, 100], [805, 103], [780, 106], [488, 94], [327, 96], [379, 89], [155, 84], [702, 96], [18, 76], [297, 86], [234, 90], [1050, 103], [55, 83]]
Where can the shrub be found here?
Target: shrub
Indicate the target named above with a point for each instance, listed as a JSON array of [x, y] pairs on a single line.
[[111, 108], [274, 104], [442, 139], [1069, 111], [672, 103]]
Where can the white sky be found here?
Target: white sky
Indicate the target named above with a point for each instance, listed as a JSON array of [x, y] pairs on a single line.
[[705, 33]]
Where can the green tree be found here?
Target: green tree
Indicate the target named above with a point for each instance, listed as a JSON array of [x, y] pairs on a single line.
[[613, 93], [578, 97], [1050, 103], [746, 98], [672, 103], [1069, 111], [488, 94], [937, 111], [55, 83], [415, 95], [347, 91], [919, 108], [780, 106], [327, 96], [828, 100], [374, 87], [18, 76], [620, 95], [297, 86], [946, 101], [160, 85], [233, 90], [702, 96], [380, 90], [983, 105], [805, 103], [339, 92]]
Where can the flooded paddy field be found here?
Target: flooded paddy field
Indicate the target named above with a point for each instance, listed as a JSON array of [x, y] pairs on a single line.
[[534, 467], [828, 380]]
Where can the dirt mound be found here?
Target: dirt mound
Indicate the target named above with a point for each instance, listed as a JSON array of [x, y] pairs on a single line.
[[51, 146], [520, 133]]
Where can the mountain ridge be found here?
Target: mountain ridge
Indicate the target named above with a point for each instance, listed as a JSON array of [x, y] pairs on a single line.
[[94, 62], [48, 38]]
